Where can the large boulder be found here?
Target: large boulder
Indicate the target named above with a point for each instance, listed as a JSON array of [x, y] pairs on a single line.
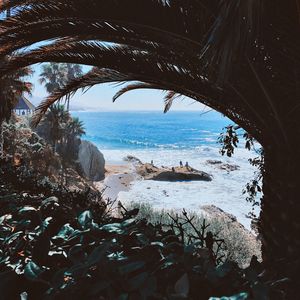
[[91, 161], [151, 172]]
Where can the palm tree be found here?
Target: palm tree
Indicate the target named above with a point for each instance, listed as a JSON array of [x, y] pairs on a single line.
[[52, 127], [73, 71], [74, 129], [54, 76], [241, 58], [12, 86]]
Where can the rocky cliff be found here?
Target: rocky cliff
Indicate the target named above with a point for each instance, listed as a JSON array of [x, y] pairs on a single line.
[[91, 161]]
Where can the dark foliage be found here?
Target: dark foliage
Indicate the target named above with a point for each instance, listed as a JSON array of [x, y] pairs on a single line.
[[229, 140], [241, 58], [63, 132], [56, 244]]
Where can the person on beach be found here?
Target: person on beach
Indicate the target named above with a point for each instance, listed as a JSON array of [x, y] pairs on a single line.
[[152, 162], [173, 169], [187, 165], [181, 164]]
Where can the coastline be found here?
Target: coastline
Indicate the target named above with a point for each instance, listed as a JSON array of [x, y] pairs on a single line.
[[118, 178], [224, 191]]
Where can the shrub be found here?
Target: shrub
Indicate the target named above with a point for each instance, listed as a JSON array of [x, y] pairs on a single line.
[[239, 244], [50, 254]]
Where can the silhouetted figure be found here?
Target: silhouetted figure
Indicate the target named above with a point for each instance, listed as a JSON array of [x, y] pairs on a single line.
[[187, 165], [209, 240], [173, 169], [181, 164], [152, 162]]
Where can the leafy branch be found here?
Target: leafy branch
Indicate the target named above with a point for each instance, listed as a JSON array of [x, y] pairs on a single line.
[[229, 139]]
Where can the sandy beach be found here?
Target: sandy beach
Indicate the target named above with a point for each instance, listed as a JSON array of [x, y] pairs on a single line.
[[118, 178]]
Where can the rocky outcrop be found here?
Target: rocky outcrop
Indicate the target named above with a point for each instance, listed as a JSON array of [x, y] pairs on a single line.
[[91, 161], [223, 166], [150, 172], [219, 213], [132, 159]]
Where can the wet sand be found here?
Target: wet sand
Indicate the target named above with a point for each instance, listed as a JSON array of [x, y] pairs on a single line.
[[118, 178]]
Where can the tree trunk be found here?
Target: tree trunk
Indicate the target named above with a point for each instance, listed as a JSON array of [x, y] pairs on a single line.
[[8, 12], [280, 214], [1, 141]]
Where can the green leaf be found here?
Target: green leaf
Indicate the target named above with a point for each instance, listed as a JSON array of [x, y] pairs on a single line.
[[131, 267], [13, 237], [86, 220], [112, 228], [158, 244], [32, 271], [26, 209], [77, 254], [58, 278], [128, 223], [65, 232], [241, 296], [98, 254], [50, 202]]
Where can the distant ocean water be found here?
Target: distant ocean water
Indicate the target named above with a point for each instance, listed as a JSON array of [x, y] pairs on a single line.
[[152, 130], [166, 139]]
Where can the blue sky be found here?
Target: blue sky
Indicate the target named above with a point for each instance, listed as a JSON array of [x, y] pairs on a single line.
[[100, 98]]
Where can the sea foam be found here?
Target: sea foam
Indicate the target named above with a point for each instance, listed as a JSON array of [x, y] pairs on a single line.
[[224, 191]]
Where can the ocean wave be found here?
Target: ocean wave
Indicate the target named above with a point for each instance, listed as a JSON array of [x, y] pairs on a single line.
[[225, 191], [189, 129]]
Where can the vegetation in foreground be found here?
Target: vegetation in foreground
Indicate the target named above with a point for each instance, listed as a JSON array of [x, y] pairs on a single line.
[[241, 58], [57, 244], [235, 242]]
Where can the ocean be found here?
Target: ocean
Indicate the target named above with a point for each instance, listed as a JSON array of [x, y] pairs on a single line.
[[167, 139]]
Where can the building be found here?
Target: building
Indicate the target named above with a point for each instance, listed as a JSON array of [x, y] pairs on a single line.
[[24, 107]]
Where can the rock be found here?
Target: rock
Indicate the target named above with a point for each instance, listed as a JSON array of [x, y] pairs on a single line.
[[228, 167], [213, 162], [133, 159], [218, 212], [180, 176], [150, 172], [223, 166], [91, 161]]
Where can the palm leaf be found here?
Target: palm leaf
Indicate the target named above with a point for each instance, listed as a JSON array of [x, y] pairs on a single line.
[[169, 98], [135, 86]]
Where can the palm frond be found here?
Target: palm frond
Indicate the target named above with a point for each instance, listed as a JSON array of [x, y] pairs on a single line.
[[95, 76], [169, 98], [135, 86]]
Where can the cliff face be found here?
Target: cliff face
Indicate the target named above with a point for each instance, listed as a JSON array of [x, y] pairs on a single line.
[[91, 161]]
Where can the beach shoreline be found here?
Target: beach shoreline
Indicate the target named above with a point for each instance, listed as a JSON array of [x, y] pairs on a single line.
[[118, 178], [122, 183]]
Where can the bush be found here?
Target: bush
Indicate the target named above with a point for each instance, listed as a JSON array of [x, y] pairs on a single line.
[[57, 244], [50, 254], [239, 244]]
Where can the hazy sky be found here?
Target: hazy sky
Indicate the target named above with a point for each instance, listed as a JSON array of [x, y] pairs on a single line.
[[100, 97]]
